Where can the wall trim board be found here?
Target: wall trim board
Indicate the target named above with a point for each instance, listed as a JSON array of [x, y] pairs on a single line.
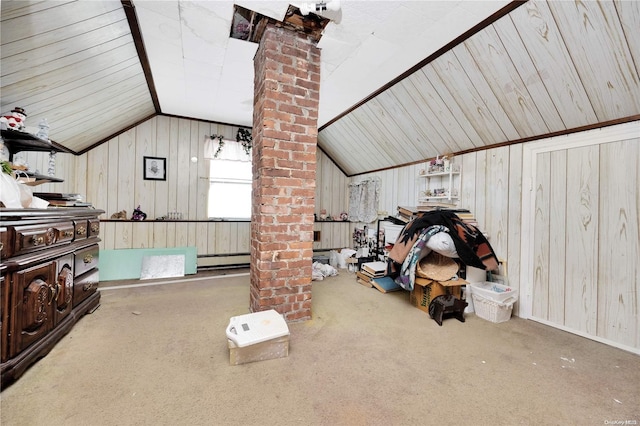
[[588, 336]]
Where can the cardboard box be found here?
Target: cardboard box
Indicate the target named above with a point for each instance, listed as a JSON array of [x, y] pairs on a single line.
[[425, 290]]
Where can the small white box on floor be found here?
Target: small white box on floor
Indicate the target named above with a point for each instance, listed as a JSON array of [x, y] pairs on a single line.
[[257, 337]]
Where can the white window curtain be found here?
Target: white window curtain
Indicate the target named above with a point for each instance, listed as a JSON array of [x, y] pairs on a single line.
[[231, 150], [230, 176], [364, 197]]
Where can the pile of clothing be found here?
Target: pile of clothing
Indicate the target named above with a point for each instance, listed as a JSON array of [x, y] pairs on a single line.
[[441, 231]]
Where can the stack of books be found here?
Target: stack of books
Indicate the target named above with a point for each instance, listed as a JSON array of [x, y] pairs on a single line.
[[406, 213], [385, 284], [364, 279], [374, 274], [57, 199], [374, 269], [467, 217], [434, 205]]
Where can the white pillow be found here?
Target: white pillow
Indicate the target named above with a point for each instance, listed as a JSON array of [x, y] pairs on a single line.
[[443, 243]]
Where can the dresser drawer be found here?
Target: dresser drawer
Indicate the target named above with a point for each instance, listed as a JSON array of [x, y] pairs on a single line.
[[81, 229], [36, 237], [86, 259], [85, 285], [6, 248], [94, 228]]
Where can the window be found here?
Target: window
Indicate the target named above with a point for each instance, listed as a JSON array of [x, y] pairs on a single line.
[[230, 189], [230, 177]]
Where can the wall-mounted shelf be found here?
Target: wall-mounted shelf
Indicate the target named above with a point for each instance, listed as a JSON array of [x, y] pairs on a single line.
[[17, 141], [40, 178], [440, 186]]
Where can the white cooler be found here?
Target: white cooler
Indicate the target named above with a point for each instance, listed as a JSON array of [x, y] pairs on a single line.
[[257, 337]]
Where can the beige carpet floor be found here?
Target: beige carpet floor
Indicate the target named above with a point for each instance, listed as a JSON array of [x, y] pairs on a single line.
[[157, 355]]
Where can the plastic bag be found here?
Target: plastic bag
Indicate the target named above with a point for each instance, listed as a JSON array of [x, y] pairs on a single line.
[[334, 257], [39, 203], [344, 254], [26, 195], [10, 193]]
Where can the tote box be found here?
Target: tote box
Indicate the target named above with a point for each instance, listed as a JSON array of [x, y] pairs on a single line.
[[257, 337]]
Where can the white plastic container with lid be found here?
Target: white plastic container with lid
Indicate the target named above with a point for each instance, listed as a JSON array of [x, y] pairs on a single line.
[[257, 327]]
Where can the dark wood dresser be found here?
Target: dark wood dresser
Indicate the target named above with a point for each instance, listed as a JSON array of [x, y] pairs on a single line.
[[49, 279]]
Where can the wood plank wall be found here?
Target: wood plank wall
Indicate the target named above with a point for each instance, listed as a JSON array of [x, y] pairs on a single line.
[[111, 177], [601, 257], [491, 187]]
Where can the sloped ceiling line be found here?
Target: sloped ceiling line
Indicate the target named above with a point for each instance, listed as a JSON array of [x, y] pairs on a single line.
[[130, 12], [479, 27]]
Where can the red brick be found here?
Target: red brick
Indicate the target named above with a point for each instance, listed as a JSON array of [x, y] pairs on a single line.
[[304, 121], [295, 90], [295, 111], [286, 94], [311, 85], [276, 134]]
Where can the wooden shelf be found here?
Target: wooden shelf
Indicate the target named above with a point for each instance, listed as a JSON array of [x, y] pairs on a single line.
[[18, 141], [438, 174], [439, 197], [39, 178]]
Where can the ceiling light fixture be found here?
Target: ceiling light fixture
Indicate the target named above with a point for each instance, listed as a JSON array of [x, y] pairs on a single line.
[[328, 9]]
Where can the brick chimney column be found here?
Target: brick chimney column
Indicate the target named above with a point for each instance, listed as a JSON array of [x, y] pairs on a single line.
[[285, 133]]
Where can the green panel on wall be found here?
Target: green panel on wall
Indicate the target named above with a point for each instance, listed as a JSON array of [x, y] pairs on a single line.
[[125, 264]]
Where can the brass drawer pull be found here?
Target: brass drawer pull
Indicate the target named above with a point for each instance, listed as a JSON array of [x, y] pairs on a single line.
[[81, 230], [67, 234], [95, 228], [87, 286], [36, 241], [88, 258], [54, 293]]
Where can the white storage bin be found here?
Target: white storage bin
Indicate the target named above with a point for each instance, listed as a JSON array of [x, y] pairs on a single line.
[[492, 310], [494, 291]]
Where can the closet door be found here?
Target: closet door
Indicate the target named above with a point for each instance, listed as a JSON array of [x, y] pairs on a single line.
[[584, 270]]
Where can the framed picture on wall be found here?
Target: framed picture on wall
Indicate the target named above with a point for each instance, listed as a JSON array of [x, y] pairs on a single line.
[[155, 168]]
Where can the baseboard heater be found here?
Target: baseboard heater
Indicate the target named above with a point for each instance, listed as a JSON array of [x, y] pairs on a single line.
[[235, 260]]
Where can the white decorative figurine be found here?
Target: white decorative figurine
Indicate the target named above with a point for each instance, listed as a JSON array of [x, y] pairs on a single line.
[[43, 129]]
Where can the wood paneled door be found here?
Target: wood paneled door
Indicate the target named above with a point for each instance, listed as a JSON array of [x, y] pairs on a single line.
[[582, 237]]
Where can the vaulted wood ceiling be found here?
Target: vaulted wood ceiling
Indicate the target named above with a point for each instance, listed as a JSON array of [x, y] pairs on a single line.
[[545, 67]]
